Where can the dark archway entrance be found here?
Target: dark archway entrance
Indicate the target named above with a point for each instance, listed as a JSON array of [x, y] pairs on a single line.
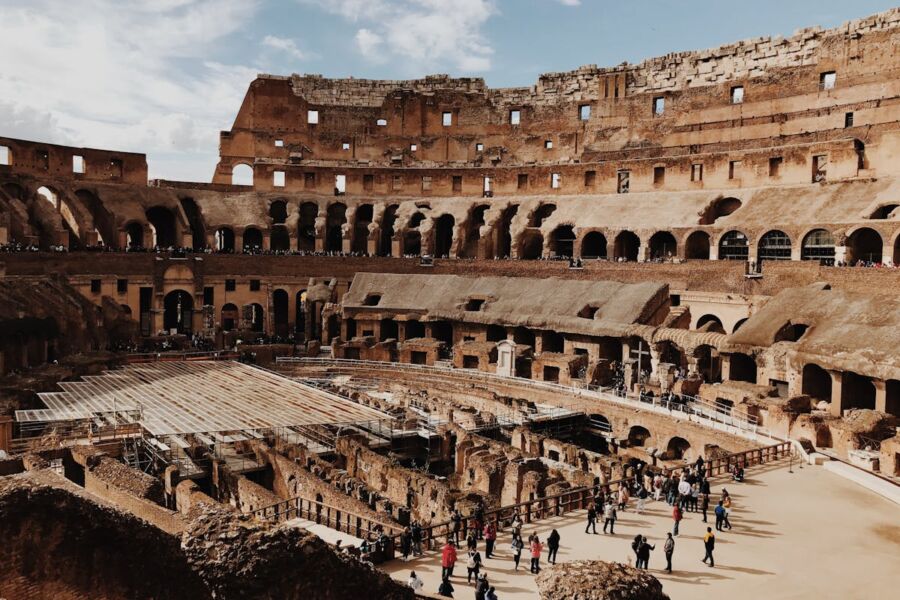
[[443, 235], [178, 311]]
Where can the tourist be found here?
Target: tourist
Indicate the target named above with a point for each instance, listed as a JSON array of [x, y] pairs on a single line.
[[473, 565], [709, 542], [479, 518], [642, 498], [446, 588], [591, 519], [456, 520], [720, 516], [695, 496], [448, 559], [517, 527], [684, 492], [643, 553], [536, 548], [553, 546], [490, 537], [669, 549], [609, 518], [517, 546], [635, 547], [704, 504], [491, 594], [405, 544], [416, 536], [481, 587], [414, 582], [471, 540], [623, 496], [677, 516]]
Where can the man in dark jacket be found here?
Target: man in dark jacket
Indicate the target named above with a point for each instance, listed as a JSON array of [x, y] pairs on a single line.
[[643, 554], [591, 519], [709, 542]]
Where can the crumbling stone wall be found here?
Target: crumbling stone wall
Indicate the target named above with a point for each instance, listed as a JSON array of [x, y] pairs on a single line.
[[598, 580]]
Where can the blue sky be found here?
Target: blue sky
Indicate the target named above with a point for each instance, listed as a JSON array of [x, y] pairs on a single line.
[[164, 76]]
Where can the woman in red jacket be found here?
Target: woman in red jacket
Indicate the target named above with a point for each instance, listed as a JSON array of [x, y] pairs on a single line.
[[536, 548], [448, 560]]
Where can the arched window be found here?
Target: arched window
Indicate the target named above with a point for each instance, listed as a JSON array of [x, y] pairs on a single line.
[[562, 241], [224, 239], [697, 246], [626, 246], [593, 245], [663, 245], [774, 245], [734, 246], [865, 244], [306, 228], [162, 222], [178, 310], [242, 175], [334, 232], [253, 239], [818, 245], [443, 235]]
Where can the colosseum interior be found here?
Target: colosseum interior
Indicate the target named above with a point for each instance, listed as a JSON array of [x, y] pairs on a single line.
[[435, 299]]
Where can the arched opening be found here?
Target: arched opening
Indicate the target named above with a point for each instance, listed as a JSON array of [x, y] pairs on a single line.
[[790, 332], [710, 323], [697, 246], [253, 239], [541, 214], [816, 383], [638, 436], [670, 353], [738, 324], [504, 233], [280, 240], [734, 246], [709, 365], [195, 221], [300, 312], [224, 239], [162, 222], [334, 222], [389, 330], [443, 331], [857, 391], [280, 301], [134, 236], [230, 316], [443, 235], [474, 224], [742, 368], [663, 245], [531, 245], [360, 242], [524, 336], [415, 330], [892, 398], [884, 211], [719, 208], [598, 428], [774, 245], [306, 227], [278, 212], [242, 174], [104, 222], [626, 246], [178, 310], [818, 245], [254, 317], [412, 243], [388, 223], [562, 241], [593, 245], [896, 257], [865, 245], [677, 448]]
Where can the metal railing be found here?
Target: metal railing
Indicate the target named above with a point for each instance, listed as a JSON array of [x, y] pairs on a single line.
[[146, 357]]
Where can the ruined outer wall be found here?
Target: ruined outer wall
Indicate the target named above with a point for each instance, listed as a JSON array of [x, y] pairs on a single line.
[[55, 161]]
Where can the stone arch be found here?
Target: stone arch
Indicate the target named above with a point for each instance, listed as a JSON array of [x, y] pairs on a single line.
[[134, 235], [895, 258], [562, 241], [718, 208], [195, 222], [773, 245], [697, 246], [306, 227], [709, 365], [242, 174], [816, 382], [253, 239], [678, 448], [541, 214], [162, 223], [388, 223], [638, 436], [742, 367], [412, 243], [280, 239], [626, 246], [531, 245], [857, 391], [335, 219], [710, 322], [278, 212], [474, 224], [663, 245], [443, 235], [254, 317], [819, 245], [229, 316], [104, 222], [280, 312], [593, 245], [224, 239], [734, 245], [300, 312], [362, 219], [504, 231], [864, 244], [178, 311], [738, 325]]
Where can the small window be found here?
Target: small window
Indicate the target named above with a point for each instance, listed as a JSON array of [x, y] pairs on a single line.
[[659, 105], [819, 164], [254, 285], [697, 172], [548, 144], [523, 181], [209, 295], [5, 156], [43, 159], [775, 166], [381, 122], [479, 147], [309, 181], [121, 286], [95, 286], [312, 117], [77, 164], [555, 181], [447, 119], [590, 178], [426, 183], [413, 147], [486, 188], [457, 183], [278, 178], [515, 117], [827, 80], [474, 304], [279, 143], [368, 182], [340, 185], [734, 169], [230, 285], [345, 146], [659, 175], [737, 94], [676, 299], [397, 182], [848, 122], [584, 112], [372, 300], [623, 182], [116, 168]]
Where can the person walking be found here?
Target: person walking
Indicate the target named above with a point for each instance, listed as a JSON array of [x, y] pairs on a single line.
[[473, 565], [445, 589], [709, 542], [609, 518], [720, 516], [416, 536], [471, 541], [553, 546], [704, 504], [642, 498], [643, 554], [516, 527], [448, 559], [517, 546], [481, 587], [591, 519], [491, 594], [623, 496], [456, 519], [677, 516], [669, 549], [490, 537], [414, 582], [536, 548]]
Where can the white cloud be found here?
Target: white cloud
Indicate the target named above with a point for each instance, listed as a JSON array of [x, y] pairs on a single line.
[[570, 2], [128, 76], [285, 45], [425, 34]]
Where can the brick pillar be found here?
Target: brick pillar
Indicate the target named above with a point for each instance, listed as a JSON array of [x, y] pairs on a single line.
[[837, 378], [6, 433], [880, 395]]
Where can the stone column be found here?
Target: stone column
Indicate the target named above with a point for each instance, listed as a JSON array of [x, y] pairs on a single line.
[[837, 378], [643, 252], [726, 367], [880, 395]]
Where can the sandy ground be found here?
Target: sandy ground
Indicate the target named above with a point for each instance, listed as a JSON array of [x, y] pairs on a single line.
[[806, 534]]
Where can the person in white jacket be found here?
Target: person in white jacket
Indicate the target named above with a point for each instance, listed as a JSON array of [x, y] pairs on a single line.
[[414, 582]]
